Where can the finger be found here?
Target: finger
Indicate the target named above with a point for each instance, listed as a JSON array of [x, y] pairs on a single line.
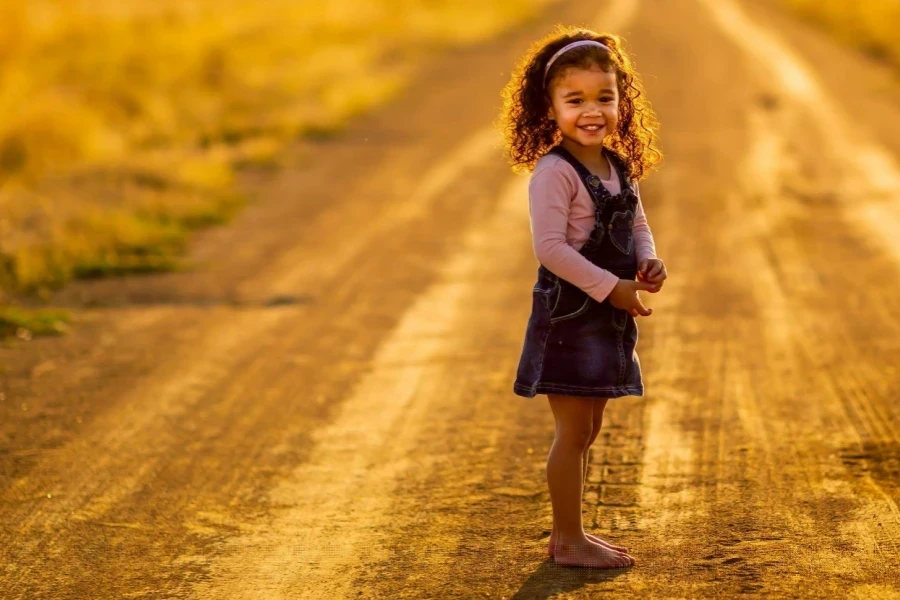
[[645, 285], [655, 270], [643, 310]]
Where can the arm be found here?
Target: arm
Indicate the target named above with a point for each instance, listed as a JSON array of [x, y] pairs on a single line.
[[643, 237], [549, 196]]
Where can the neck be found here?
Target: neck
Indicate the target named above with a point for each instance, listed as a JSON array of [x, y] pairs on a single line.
[[591, 157]]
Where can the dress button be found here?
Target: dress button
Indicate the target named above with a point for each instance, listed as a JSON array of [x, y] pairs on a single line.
[[610, 226], [630, 223]]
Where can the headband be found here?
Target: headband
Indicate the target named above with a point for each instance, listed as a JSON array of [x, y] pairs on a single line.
[[568, 47]]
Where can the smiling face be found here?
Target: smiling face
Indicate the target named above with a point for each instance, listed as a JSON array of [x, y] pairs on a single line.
[[585, 105]]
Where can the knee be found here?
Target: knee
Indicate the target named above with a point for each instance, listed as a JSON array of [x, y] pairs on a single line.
[[577, 438]]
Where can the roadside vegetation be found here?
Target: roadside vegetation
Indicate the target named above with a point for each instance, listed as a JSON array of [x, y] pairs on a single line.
[[25, 323], [125, 122]]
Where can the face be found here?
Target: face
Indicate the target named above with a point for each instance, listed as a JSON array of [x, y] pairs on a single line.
[[585, 104]]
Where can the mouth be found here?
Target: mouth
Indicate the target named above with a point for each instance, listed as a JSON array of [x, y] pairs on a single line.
[[591, 128]]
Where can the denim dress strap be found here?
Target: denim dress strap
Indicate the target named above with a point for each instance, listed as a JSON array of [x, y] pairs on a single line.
[[593, 183]]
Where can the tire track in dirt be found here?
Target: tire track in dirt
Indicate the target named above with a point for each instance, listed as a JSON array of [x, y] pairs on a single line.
[[869, 201], [780, 450], [337, 505], [869, 171], [684, 345], [768, 429], [300, 269], [216, 374]]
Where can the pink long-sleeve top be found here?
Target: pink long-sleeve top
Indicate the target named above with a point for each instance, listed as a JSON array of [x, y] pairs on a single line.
[[562, 218]]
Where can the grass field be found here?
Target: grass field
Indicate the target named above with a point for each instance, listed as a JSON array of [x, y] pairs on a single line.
[[869, 25], [124, 120]]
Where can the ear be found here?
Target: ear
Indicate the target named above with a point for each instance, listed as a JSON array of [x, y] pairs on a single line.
[[551, 114]]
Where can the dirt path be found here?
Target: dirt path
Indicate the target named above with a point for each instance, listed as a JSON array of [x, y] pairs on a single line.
[[324, 409]]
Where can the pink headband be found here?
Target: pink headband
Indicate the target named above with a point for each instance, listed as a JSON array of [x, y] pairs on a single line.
[[568, 47]]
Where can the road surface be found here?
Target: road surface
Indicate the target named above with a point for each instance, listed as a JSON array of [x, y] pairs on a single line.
[[323, 408]]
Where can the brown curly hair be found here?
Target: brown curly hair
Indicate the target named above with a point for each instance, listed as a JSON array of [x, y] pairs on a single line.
[[529, 133]]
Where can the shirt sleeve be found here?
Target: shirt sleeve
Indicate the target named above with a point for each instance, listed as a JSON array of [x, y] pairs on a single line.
[[550, 194], [643, 237]]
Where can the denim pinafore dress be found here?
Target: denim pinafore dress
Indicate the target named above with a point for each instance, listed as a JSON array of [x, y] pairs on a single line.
[[574, 345]]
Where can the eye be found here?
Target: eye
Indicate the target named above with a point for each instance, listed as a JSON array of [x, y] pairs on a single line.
[[574, 101]]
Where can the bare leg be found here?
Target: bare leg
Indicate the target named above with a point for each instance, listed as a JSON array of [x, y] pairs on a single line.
[[565, 466], [597, 422], [565, 477]]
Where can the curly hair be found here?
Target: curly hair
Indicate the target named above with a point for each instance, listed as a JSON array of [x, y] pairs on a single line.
[[528, 132]]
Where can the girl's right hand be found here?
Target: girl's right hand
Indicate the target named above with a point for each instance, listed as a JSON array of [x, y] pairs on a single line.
[[624, 296]]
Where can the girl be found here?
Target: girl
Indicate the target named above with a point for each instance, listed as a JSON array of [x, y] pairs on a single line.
[[574, 114]]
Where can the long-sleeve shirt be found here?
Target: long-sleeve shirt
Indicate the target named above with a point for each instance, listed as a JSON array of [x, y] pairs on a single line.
[[562, 218]]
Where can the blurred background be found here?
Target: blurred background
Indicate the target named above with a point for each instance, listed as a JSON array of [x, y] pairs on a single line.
[[124, 121]]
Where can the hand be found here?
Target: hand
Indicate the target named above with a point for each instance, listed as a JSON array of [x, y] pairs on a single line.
[[652, 270], [624, 296]]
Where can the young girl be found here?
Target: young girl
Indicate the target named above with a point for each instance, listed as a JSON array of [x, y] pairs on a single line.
[[575, 114]]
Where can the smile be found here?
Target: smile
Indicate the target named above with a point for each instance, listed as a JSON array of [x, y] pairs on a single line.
[[591, 127]]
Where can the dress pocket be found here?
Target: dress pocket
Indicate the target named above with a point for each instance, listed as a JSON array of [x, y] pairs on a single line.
[[570, 302], [621, 231]]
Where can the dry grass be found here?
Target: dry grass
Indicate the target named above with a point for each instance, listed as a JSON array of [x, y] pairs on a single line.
[[25, 323], [124, 120], [870, 25]]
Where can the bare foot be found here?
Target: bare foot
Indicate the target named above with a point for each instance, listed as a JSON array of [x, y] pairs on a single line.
[[589, 554], [593, 538]]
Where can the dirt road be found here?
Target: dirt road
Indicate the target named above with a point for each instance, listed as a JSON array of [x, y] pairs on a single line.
[[323, 408]]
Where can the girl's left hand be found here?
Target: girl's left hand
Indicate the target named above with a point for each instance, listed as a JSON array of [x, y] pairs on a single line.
[[652, 270]]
